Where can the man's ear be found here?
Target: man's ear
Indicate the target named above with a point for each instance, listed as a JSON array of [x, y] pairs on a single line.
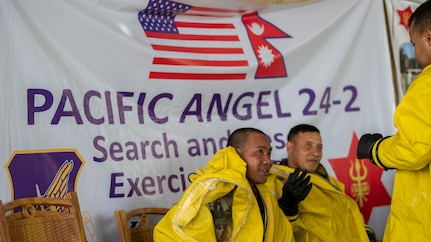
[[239, 152], [427, 36], [288, 146]]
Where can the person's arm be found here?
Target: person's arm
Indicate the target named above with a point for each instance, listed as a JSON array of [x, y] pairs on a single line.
[[409, 148]]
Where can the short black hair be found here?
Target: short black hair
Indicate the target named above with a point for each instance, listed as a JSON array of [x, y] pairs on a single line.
[[239, 138], [301, 128], [422, 17]]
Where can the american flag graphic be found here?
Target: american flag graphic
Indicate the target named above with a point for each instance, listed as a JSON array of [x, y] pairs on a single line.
[[202, 43]]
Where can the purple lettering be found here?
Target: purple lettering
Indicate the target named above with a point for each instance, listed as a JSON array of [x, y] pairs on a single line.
[[114, 184], [196, 99], [209, 141], [144, 146], [132, 153], [118, 151], [121, 107], [280, 114], [31, 103], [260, 103], [170, 185], [100, 148], [133, 187], [154, 150], [60, 112], [87, 109], [114, 149], [169, 143], [109, 107], [194, 149], [222, 112], [183, 180], [160, 180], [279, 139], [140, 103], [247, 107], [148, 182], [152, 108]]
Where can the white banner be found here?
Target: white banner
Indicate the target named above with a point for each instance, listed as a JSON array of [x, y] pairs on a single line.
[[124, 99]]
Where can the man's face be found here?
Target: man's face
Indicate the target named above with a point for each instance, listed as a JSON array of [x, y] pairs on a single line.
[[257, 154], [422, 44], [305, 151]]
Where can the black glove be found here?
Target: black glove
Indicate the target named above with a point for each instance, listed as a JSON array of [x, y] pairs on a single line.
[[295, 190], [371, 234], [365, 145]]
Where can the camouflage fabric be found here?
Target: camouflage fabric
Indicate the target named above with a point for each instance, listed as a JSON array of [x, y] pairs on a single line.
[[221, 210]]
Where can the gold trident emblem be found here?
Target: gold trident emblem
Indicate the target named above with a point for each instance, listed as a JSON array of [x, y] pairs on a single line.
[[361, 188]]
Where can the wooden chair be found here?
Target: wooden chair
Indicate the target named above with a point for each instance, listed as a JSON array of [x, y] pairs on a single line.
[[38, 219], [135, 225]]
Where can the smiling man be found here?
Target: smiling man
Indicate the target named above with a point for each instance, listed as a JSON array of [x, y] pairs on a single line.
[[326, 213], [227, 199]]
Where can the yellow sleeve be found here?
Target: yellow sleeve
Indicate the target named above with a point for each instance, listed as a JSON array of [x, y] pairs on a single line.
[[410, 147]]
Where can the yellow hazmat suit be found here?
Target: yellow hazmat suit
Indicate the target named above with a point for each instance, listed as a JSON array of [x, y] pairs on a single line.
[[327, 214], [409, 151], [190, 219]]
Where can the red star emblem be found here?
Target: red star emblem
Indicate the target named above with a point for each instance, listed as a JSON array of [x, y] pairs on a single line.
[[405, 16], [362, 180]]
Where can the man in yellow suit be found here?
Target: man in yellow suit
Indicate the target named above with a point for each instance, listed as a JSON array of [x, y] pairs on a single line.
[[227, 199], [327, 213], [409, 149]]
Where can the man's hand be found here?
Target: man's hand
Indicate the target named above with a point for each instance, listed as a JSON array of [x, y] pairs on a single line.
[[365, 145], [295, 190]]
